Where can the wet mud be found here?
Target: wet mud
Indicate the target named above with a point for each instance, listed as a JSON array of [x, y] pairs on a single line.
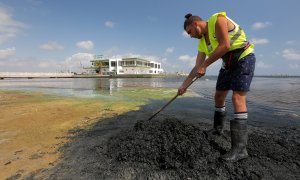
[[169, 148], [173, 149]]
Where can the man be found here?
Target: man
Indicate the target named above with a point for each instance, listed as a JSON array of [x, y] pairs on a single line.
[[221, 37]]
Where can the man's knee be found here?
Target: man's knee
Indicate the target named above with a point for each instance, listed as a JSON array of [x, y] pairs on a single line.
[[239, 100], [220, 97], [239, 95]]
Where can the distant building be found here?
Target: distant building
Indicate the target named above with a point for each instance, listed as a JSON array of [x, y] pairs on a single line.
[[116, 66]]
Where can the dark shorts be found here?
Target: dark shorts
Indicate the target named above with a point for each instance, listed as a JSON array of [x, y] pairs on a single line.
[[239, 78]]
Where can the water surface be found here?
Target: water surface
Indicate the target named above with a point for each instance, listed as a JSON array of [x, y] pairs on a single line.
[[275, 101]]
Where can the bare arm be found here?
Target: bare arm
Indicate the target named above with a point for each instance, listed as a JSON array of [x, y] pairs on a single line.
[[199, 62], [223, 47]]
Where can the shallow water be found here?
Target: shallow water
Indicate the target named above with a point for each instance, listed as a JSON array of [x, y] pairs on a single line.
[[272, 100]]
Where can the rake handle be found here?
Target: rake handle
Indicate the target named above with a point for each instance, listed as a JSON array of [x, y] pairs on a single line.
[[171, 100], [163, 107]]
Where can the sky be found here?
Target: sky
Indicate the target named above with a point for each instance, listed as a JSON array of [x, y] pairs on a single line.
[[64, 35]]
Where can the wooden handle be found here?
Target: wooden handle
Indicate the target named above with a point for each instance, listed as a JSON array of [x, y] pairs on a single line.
[[171, 100]]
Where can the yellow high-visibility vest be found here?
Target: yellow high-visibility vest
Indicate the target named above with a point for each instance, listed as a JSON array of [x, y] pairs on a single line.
[[237, 38]]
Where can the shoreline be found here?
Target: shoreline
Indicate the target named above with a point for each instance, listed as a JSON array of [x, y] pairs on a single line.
[[85, 76], [128, 76]]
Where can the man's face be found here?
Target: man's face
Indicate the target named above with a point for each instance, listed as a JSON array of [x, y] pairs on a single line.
[[194, 31]]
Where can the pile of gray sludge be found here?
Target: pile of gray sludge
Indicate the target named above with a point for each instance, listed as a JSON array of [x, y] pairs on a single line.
[[174, 149]]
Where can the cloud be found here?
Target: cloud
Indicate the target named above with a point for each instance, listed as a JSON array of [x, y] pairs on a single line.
[[185, 58], [133, 55], [109, 24], [169, 50], [186, 35], [290, 42], [188, 59], [30, 64], [127, 55], [77, 62], [294, 66], [111, 51], [260, 41], [43, 64], [74, 63], [164, 60], [191, 61], [88, 45], [151, 58], [261, 25], [51, 46], [290, 54], [261, 64], [81, 58], [9, 28], [6, 53]]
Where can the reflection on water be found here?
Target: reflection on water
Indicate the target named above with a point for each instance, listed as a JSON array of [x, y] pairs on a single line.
[[268, 97], [80, 87]]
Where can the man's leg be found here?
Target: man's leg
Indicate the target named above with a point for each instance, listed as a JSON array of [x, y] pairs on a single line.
[[239, 101], [220, 113], [238, 128], [220, 97], [241, 79]]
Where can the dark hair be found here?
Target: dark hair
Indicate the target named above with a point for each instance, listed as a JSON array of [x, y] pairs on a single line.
[[189, 19]]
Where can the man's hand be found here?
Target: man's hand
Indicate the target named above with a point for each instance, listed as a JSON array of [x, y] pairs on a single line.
[[201, 71], [181, 90]]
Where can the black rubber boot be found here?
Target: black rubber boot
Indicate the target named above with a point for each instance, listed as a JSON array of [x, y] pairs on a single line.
[[239, 138], [219, 120]]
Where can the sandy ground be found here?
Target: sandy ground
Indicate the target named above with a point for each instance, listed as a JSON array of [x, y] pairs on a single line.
[[33, 126], [63, 138]]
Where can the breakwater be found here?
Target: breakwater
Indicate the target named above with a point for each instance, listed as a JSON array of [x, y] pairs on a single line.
[[34, 75], [31, 75]]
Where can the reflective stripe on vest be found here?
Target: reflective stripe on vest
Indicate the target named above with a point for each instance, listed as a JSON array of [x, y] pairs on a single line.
[[237, 37]]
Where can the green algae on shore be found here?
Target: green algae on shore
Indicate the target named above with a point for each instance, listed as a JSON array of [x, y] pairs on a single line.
[[34, 124]]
